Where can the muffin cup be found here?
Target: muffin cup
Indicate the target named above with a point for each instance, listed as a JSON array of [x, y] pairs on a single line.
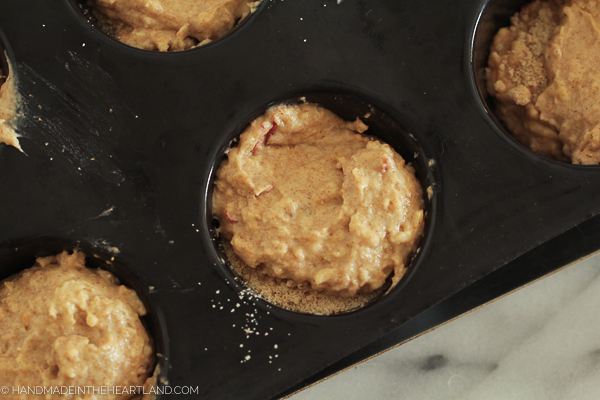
[[85, 11], [349, 107], [492, 16], [19, 255]]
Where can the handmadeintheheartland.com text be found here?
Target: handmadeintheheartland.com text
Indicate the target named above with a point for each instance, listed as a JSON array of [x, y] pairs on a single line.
[[98, 390]]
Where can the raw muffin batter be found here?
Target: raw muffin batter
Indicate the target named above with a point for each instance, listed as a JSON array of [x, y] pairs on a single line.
[[544, 72], [294, 296], [9, 100], [67, 325], [306, 197], [169, 25]]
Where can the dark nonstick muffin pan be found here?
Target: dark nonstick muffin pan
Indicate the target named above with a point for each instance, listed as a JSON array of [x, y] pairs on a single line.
[[121, 145]]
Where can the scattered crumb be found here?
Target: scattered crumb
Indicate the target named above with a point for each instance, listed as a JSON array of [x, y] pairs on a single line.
[[430, 192]]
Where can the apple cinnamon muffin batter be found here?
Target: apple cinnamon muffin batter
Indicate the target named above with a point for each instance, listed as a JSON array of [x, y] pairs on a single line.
[[67, 325], [169, 25], [544, 71], [306, 198]]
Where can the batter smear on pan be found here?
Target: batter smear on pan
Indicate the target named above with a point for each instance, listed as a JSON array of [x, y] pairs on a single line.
[[307, 198], [9, 103]]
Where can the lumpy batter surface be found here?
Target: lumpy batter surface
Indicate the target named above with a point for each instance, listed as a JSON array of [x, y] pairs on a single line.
[[169, 25], [544, 71], [67, 325], [306, 197]]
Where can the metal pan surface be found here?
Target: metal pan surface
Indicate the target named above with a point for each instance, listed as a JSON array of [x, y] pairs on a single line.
[[121, 146]]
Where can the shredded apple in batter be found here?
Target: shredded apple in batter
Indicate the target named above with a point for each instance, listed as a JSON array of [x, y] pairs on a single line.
[[544, 71], [305, 196], [67, 325], [169, 25]]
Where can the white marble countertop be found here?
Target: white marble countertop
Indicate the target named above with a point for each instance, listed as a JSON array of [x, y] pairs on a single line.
[[540, 342]]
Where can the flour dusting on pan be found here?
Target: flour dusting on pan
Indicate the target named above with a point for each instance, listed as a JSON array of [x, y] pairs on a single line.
[[77, 127]]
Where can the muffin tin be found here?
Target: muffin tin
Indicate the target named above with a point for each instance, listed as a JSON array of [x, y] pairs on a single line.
[[121, 146]]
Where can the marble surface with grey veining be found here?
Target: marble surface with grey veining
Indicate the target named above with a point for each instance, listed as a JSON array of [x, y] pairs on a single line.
[[540, 342]]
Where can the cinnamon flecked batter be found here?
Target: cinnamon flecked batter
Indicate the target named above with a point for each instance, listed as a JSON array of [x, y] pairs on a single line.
[[169, 25], [67, 325], [306, 197], [544, 72]]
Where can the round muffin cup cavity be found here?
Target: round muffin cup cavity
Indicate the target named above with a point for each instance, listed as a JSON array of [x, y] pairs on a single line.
[[149, 28], [300, 297], [21, 255], [515, 100]]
